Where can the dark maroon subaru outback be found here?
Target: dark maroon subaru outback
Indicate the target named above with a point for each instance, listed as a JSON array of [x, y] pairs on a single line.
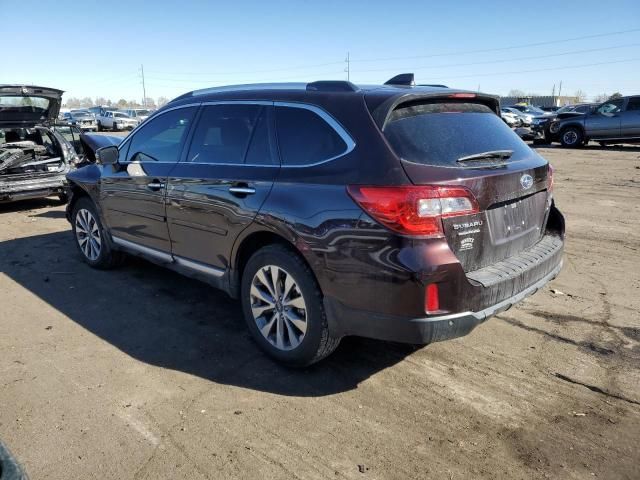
[[397, 212]]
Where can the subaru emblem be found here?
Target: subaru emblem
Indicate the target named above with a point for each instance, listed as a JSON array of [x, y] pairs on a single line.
[[526, 181]]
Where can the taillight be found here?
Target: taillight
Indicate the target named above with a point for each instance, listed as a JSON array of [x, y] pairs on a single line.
[[550, 173], [431, 298], [414, 210]]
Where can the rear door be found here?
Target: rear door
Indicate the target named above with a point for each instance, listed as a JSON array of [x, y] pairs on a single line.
[[133, 191], [604, 122], [432, 137], [215, 192], [630, 119]]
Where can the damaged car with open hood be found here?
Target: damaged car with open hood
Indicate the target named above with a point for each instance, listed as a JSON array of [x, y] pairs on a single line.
[[34, 156]]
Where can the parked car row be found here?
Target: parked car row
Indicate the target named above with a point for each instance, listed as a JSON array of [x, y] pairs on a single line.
[[106, 118]]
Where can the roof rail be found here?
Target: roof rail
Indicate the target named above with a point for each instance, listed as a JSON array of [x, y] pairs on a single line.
[[332, 86], [432, 85], [406, 79]]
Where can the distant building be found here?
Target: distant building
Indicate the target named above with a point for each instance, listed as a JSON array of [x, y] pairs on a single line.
[[540, 101]]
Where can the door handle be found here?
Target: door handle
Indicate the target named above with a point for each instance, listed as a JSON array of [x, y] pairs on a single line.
[[242, 190], [155, 185]]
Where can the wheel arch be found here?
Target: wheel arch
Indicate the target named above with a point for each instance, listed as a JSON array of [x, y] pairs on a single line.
[[253, 241]]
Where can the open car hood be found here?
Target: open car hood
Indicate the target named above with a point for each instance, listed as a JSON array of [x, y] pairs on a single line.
[[26, 106]]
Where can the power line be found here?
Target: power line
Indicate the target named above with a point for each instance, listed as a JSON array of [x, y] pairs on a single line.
[[568, 67], [500, 49], [489, 62]]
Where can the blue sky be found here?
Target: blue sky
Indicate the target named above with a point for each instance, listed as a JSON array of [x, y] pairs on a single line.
[[95, 48]]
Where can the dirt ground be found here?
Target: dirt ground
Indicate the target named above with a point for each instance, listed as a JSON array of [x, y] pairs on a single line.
[[139, 373]]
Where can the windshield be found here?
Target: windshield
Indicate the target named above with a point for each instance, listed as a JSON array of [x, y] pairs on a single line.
[[142, 112], [440, 133]]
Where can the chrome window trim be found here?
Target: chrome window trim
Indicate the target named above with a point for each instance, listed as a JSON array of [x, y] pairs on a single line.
[[156, 114]]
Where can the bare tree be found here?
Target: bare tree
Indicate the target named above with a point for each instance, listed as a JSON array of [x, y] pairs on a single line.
[[101, 101], [580, 95], [516, 93], [161, 101], [600, 98], [149, 102], [122, 103], [86, 102], [72, 102], [615, 95]]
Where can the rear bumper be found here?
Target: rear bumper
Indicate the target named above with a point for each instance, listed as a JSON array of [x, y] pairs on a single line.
[[25, 188], [344, 320]]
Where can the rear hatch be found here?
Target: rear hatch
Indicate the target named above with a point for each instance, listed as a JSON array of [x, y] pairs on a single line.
[[461, 140], [26, 106]]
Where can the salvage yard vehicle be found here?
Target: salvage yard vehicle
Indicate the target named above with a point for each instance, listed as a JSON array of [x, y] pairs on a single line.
[[83, 119], [614, 121], [139, 114], [34, 158], [396, 212], [115, 121], [510, 118]]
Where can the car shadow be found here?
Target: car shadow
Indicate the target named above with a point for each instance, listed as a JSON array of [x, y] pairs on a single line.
[[167, 320]]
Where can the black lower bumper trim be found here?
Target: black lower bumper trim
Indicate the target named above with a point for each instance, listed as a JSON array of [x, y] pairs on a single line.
[[345, 321]]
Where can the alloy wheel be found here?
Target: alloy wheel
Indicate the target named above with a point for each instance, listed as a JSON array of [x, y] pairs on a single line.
[[88, 234], [570, 137], [278, 307]]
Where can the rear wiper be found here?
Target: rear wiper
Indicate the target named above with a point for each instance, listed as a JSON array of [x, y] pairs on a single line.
[[497, 154]]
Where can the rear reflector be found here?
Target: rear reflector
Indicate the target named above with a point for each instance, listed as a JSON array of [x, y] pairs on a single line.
[[414, 210], [431, 298]]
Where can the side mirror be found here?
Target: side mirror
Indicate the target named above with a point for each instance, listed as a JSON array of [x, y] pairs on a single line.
[[107, 155]]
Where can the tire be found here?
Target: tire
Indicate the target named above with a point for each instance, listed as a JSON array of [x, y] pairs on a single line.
[[99, 127], [64, 198], [294, 346], [114, 127], [96, 250], [571, 137], [603, 144]]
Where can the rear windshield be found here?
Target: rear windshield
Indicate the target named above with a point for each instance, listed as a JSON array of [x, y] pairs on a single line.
[[24, 104], [439, 134]]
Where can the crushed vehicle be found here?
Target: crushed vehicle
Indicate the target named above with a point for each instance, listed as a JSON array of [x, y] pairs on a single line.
[[397, 212], [34, 157]]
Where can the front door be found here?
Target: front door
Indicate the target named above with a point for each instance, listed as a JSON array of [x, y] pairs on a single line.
[[215, 192], [133, 191], [604, 122]]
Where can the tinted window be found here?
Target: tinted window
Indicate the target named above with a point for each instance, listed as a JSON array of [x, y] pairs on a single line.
[[161, 139], [305, 138], [440, 133], [634, 103], [223, 133], [260, 147]]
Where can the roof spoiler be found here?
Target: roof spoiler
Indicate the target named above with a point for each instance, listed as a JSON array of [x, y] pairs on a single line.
[[332, 86], [406, 79]]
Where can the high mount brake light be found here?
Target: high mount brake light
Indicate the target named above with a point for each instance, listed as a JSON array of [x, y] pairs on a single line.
[[462, 95], [414, 210]]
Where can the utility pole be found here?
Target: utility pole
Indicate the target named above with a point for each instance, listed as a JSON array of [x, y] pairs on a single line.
[[348, 67], [144, 90]]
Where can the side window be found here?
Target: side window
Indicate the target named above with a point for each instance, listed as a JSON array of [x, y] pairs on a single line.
[[161, 140], [223, 133], [612, 106], [634, 104], [306, 138], [259, 152]]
